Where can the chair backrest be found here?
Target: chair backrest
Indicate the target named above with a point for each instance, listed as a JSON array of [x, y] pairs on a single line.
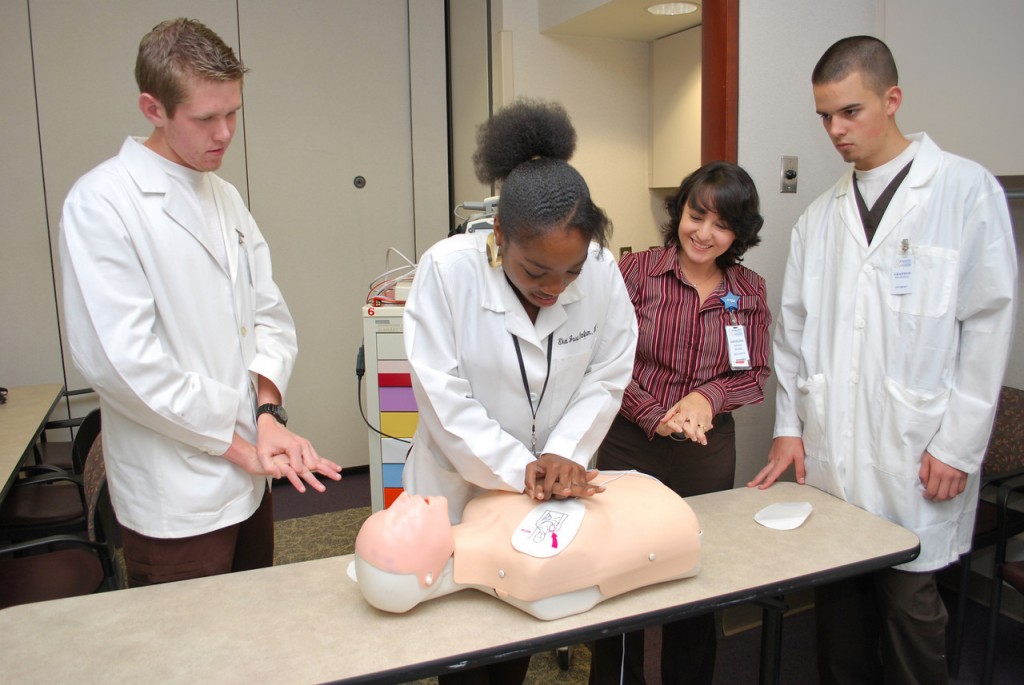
[[84, 438], [94, 482], [1005, 453], [100, 518]]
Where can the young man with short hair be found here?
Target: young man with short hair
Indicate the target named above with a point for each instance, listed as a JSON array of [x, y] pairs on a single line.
[[174, 318], [892, 340]]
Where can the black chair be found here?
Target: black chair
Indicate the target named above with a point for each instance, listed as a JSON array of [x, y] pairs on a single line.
[[48, 501], [60, 566], [61, 453], [1009, 572], [1004, 460]]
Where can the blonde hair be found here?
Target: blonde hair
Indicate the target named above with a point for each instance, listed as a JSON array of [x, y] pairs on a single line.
[[177, 50]]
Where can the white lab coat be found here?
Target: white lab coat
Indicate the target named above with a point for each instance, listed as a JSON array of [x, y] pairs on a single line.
[[171, 341], [474, 416], [872, 380]]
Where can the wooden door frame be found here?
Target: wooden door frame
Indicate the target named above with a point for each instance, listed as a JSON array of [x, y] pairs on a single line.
[[720, 80]]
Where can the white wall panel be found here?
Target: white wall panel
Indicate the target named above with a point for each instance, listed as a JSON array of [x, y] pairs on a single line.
[[29, 346], [328, 99]]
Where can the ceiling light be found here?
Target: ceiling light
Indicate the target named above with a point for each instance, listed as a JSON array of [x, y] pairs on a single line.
[[670, 9]]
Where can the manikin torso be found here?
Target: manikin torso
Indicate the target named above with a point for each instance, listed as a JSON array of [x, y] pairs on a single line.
[[550, 559]]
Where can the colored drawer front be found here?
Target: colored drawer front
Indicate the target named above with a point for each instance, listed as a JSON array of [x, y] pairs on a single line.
[[390, 346], [393, 475], [390, 495], [397, 399], [394, 380], [394, 373], [398, 424], [394, 451]]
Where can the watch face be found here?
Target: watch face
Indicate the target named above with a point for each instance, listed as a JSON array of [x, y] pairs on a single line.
[[281, 414]]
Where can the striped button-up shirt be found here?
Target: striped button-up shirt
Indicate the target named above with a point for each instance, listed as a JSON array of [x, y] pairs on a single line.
[[682, 346]]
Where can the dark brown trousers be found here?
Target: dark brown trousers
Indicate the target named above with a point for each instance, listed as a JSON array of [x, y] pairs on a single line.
[[239, 547]]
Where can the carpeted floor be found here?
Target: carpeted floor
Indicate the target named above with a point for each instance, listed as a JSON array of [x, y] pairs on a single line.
[[318, 536]]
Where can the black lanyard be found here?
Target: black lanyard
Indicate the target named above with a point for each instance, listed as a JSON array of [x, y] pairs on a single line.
[[526, 386]]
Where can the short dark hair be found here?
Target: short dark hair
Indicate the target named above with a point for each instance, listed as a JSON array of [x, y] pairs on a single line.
[[866, 54], [179, 49], [526, 146], [724, 188]]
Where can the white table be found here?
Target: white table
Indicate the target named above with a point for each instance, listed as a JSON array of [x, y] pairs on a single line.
[[22, 419], [307, 623]]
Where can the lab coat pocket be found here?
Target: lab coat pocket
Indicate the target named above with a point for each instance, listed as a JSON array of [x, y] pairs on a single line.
[[934, 275], [810, 408], [567, 373], [909, 421]]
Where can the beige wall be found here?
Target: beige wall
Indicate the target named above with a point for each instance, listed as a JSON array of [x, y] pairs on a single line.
[[470, 99], [603, 85]]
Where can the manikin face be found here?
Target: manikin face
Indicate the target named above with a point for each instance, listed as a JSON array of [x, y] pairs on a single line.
[[544, 266], [199, 133], [413, 535], [703, 237], [859, 121]]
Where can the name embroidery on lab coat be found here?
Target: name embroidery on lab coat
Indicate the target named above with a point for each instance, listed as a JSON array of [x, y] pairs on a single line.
[[577, 337]]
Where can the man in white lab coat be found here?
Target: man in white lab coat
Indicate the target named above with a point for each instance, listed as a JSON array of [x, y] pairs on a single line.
[[895, 327], [174, 319]]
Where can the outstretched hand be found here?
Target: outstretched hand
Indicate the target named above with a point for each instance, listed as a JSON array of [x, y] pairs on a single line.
[[284, 454], [244, 454], [785, 450]]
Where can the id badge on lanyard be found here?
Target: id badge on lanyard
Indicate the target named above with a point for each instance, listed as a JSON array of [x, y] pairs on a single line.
[[735, 335], [903, 270]]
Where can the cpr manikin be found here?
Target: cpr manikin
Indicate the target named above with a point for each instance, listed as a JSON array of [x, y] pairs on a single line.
[[551, 559]]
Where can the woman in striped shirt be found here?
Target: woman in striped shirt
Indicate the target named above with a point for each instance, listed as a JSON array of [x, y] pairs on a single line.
[[702, 352]]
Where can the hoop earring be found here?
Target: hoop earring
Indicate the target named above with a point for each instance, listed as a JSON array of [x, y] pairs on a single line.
[[493, 252]]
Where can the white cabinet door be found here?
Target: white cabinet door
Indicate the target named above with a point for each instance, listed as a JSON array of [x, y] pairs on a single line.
[[328, 102]]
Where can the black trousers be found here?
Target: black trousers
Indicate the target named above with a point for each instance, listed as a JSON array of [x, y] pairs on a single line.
[[884, 627], [688, 647]]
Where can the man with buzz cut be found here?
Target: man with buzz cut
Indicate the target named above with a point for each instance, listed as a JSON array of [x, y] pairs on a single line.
[[892, 340]]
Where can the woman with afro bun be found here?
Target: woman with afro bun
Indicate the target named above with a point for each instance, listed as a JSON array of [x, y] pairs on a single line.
[[521, 340]]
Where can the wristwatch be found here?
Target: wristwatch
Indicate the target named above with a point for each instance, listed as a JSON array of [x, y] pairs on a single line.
[[276, 410]]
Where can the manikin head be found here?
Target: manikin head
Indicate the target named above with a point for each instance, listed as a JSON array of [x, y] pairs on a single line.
[[412, 536], [401, 552]]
